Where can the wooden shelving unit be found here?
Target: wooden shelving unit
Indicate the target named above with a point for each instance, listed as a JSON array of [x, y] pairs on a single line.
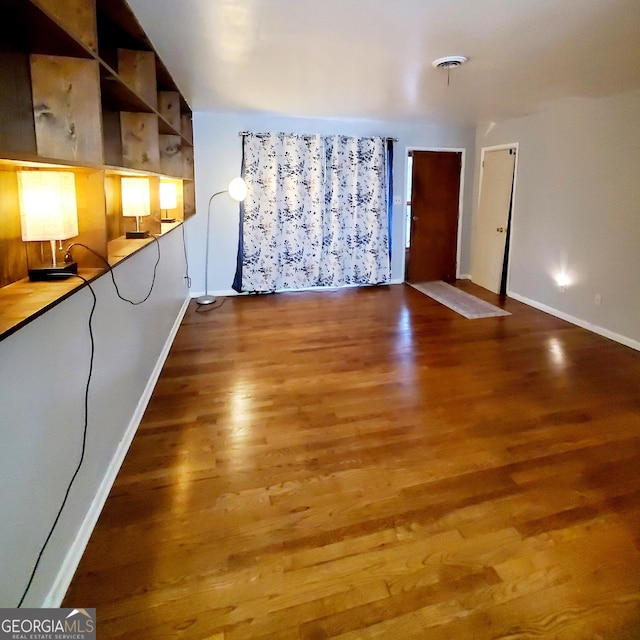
[[83, 90]]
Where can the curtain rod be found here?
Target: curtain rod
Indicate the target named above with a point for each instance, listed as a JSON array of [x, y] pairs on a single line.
[[242, 134]]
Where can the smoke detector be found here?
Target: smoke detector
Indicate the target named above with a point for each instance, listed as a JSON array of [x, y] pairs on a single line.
[[449, 62]]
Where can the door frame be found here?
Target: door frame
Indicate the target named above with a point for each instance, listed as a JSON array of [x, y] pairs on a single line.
[[499, 147], [407, 177]]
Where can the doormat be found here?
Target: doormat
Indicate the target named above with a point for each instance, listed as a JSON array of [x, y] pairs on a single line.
[[460, 301]]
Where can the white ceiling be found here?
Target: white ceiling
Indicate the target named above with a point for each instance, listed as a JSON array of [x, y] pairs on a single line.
[[372, 58]]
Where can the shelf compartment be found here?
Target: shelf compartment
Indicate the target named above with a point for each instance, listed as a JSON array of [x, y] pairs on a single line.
[[187, 163], [186, 127], [138, 70], [140, 146], [17, 127], [165, 128], [90, 203], [78, 17], [117, 95], [66, 107], [14, 263], [118, 27], [92, 232], [114, 219], [39, 31], [166, 83], [116, 224], [171, 160], [189, 198], [112, 138], [169, 108], [178, 211]]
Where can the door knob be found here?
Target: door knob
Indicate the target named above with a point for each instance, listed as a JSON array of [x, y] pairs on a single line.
[[414, 218]]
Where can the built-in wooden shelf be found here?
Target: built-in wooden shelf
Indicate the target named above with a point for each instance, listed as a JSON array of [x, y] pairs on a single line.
[[169, 226], [23, 301], [122, 248], [39, 30], [83, 90]]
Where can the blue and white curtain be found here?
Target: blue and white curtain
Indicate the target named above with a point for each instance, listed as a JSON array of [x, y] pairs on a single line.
[[316, 213]]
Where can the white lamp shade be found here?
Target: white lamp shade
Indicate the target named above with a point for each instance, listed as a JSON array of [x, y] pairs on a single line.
[[136, 197], [237, 189], [168, 195], [48, 209]]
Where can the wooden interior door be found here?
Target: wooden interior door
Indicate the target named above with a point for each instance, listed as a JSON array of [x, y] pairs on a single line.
[[435, 197], [492, 225]]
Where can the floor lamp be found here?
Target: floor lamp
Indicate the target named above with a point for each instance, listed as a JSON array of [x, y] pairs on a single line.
[[237, 189]]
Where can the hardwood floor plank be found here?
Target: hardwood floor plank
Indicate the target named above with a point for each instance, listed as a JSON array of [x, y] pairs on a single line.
[[368, 615], [366, 463]]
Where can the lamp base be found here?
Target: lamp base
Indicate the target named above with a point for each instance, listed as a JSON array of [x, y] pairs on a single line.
[[205, 299], [137, 235], [167, 219], [47, 272]]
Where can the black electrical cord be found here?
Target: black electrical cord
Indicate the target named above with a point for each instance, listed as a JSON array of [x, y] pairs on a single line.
[[201, 308], [84, 440], [113, 279], [86, 393], [186, 260], [209, 307]]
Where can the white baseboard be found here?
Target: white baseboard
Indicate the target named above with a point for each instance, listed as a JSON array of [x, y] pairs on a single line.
[[223, 293], [464, 276], [79, 544], [628, 342], [231, 292]]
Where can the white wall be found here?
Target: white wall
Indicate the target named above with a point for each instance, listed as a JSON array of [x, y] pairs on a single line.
[[43, 371], [218, 155], [577, 209]]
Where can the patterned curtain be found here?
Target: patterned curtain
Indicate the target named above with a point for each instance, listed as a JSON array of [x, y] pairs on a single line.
[[315, 213], [356, 234]]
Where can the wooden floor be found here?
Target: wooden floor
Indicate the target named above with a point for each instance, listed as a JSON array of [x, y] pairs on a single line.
[[368, 464]]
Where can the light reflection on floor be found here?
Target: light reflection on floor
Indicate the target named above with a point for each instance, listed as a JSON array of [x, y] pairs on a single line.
[[557, 354]]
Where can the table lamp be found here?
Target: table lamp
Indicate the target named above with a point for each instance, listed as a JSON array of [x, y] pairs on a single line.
[[168, 199], [136, 203], [48, 212]]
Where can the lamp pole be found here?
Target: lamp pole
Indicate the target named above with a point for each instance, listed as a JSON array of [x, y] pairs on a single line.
[[206, 298], [237, 189]]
